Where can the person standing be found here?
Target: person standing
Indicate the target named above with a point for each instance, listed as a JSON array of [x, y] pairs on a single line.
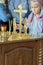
[[13, 4]]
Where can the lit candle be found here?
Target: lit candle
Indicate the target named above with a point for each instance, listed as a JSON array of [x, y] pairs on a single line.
[[3, 28]]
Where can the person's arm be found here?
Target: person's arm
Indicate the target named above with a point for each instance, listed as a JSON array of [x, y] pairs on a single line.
[[12, 6], [40, 27], [3, 13], [29, 20], [29, 7]]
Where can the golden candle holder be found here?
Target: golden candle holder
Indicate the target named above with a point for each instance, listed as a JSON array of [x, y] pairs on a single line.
[[3, 28], [14, 25], [20, 35], [3, 33], [25, 25]]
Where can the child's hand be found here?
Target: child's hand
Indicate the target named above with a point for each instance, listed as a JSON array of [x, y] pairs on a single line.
[[18, 26]]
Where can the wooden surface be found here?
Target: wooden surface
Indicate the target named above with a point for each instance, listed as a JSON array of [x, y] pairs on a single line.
[[22, 52]]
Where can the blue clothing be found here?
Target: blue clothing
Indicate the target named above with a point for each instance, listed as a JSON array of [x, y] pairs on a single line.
[[36, 26], [3, 13], [13, 4]]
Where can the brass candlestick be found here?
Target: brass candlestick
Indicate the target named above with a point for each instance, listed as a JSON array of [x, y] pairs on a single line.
[[14, 25], [0, 33], [3, 33], [25, 25], [10, 25]]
